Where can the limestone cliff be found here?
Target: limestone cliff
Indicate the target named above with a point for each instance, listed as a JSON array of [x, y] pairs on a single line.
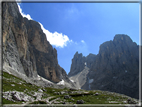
[[26, 49], [79, 61], [115, 68], [77, 64]]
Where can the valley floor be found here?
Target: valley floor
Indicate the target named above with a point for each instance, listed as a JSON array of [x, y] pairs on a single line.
[[18, 91]]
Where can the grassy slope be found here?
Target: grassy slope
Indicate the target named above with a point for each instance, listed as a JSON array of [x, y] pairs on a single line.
[[89, 98]]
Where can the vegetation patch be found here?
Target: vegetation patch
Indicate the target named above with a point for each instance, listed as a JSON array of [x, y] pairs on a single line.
[[5, 101], [12, 83]]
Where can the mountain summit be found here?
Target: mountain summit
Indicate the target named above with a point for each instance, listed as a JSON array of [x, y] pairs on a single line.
[[115, 68]]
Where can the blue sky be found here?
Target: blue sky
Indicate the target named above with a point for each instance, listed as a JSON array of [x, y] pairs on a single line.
[[83, 27]]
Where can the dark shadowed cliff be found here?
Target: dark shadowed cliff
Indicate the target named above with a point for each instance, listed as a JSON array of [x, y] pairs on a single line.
[[115, 68], [78, 63], [26, 49]]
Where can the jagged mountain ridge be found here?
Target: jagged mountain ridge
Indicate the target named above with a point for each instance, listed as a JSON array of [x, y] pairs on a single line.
[[115, 68], [26, 49], [78, 63]]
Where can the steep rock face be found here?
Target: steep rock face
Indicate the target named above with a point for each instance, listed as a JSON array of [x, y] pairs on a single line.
[[77, 64], [80, 68], [116, 67], [79, 61], [26, 49], [11, 56], [90, 60]]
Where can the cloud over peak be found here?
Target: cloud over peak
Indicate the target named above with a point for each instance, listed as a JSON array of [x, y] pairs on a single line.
[[23, 14], [56, 39]]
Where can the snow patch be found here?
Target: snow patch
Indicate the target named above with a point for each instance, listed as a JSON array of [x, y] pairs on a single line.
[[90, 81], [71, 80], [61, 82], [41, 78], [38, 77]]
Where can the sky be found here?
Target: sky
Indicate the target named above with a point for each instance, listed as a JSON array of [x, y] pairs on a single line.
[[82, 27]]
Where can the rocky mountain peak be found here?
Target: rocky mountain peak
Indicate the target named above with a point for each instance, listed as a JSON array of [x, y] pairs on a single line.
[[26, 49], [115, 68], [78, 63], [78, 55], [122, 38]]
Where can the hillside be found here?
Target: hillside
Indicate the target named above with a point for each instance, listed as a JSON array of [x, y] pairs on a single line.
[[18, 91]]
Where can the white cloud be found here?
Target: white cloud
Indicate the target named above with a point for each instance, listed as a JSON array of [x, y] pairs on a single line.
[[82, 41], [57, 39], [23, 14]]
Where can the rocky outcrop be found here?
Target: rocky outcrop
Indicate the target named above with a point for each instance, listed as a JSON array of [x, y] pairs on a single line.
[[79, 62], [115, 68], [26, 49], [80, 68], [17, 96]]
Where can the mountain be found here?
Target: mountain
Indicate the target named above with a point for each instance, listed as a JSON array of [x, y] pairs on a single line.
[[115, 68], [26, 51]]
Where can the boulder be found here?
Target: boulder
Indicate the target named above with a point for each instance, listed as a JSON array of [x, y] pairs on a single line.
[[38, 95], [67, 97], [96, 94], [80, 102], [40, 90], [64, 103], [130, 101], [16, 96], [63, 92]]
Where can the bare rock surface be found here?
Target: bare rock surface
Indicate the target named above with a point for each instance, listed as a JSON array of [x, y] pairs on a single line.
[[115, 68], [79, 102], [26, 50], [80, 78], [17, 96], [67, 97]]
